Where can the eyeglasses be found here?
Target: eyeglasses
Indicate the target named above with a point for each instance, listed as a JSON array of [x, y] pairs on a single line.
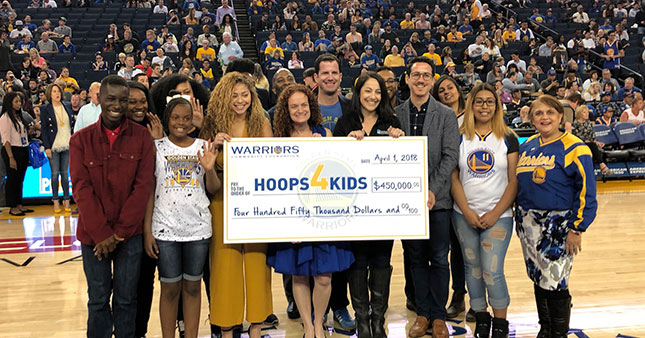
[[480, 102], [388, 81], [416, 76]]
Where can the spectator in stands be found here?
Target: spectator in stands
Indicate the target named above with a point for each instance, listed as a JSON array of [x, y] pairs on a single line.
[[580, 16], [407, 23], [273, 46], [62, 29], [605, 102], [295, 62], [99, 63], [530, 79], [67, 83], [421, 22], [190, 19], [354, 37], [23, 46], [582, 128], [395, 59], [295, 24], [289, 45], [129, 45], [592, 93], [334, 48], [120, 63], [629, 88], [607, 116], [317, 9], [228, 25], [129, 71], [322, 43], [190, 35], [495, 74], [222, 11], [510, 83], [612, 52], [389, 35], [263, 25], [67, 46], [165, 33], [45, 27], [160, 8], [515, 60], [375, 35], [35, 4], [278, 24], [607, 78], [205, 52], [634, 114], [524, 33], [476, 49], [454, 35], [207, 18], [270, 9], [26, 71], [369, 60], [628, 100], [607, 26], [386, 48], [109, 45], [163, 60], [169, 46], [173, 18], [190, 4], [144, 66], [306, 45], [156, 73], [150, 44], [229, 50], [432, 55], [49, 4], [275, 62], [207, 71], [187, 51], [329, 24], [545, 49], [19, 31]]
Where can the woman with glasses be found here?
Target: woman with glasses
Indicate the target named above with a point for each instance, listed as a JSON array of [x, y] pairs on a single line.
[[484, 187]]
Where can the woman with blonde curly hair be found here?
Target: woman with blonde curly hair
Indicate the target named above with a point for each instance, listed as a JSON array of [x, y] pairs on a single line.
[[240, 277], [298, 115]]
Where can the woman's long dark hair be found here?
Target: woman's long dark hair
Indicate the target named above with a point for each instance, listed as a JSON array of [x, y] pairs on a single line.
[[141, 87], [384, 108], [435, 91], [161, 88], [14, 116]]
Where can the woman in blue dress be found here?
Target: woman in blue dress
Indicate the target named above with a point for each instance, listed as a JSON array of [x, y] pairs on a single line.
[[297, 114]]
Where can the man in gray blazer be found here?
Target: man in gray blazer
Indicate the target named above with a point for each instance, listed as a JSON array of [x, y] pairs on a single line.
[[422, 115]]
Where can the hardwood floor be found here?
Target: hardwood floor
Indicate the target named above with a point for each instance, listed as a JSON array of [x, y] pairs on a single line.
[[45, 298]]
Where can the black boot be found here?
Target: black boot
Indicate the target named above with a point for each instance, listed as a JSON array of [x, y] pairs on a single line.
[[560, 313], [380, 290], [482, 328], [500, 328], [360, 301], [457, 305], [543, 312]]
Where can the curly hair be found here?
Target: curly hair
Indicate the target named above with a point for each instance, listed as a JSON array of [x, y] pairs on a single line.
[[219, 115], [161, 88], [282, 123]]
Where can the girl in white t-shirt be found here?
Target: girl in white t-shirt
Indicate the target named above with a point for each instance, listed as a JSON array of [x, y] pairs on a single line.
[[484, 186], [177, 226]]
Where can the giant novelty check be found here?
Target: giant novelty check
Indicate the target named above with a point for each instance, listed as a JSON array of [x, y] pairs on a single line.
[[325, 189]]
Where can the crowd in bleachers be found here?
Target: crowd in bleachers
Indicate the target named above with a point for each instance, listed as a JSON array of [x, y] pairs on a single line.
[[598, 56]]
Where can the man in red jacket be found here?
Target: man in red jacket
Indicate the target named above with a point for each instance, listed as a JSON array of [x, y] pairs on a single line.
[[112, 169]]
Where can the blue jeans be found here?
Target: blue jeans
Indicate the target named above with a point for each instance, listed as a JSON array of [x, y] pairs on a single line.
[[182, 260], [125, 261], [484, 252], [59, 164], [431, 281]]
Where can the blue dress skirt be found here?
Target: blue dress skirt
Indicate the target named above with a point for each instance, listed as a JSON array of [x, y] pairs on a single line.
[[310, 259]]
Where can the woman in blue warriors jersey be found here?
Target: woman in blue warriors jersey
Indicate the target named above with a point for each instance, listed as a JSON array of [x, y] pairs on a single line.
[[484, 187], [556, 203]]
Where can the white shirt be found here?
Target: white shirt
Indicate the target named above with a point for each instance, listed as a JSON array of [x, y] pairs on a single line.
[[635, 119], [181, 211], [589, 43], [19, 33], [483, 170], [50, 4], [159, 10], [521, 64], [87, 115], [475, 50]]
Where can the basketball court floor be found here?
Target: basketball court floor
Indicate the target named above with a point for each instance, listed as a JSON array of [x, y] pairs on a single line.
[[43, 291]]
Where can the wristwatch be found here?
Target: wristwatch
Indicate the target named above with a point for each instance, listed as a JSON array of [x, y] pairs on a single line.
[[575, 232]]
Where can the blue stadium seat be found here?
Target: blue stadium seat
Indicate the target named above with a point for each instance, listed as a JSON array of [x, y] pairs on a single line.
[[628, 134]]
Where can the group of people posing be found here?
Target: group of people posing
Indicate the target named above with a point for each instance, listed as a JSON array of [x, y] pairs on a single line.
[[153, 195]]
